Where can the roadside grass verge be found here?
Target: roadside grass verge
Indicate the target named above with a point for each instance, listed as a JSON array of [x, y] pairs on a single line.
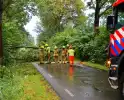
[[94, 65], [23, 82]]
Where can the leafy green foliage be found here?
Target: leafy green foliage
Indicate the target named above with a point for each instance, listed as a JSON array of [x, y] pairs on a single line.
[[71, 36], [87, 46], [9, 85], [76, 30], [94, 50], [13, 36], [27, 55], [15, 16], [23, 82], [62, 22], [55, 15]]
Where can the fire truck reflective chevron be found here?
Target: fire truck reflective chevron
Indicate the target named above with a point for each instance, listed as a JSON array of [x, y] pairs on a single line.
[[118, 2], [117, 42]]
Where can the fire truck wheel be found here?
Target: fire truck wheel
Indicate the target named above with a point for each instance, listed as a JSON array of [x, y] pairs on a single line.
[[121, 84]]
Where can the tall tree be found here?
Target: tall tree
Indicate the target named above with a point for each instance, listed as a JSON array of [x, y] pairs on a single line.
[[15, 15], [100, 7], [56, 14], [1, 46]]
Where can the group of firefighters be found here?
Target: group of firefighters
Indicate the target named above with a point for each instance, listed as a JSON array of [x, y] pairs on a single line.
[[59, 55]]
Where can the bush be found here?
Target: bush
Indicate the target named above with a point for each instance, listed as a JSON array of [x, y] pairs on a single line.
[[86, 45], [10, 88], [95, 49], [28, 55], [71, 36]]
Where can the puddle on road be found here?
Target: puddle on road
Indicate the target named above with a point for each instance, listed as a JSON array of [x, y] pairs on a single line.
[[89, 81]]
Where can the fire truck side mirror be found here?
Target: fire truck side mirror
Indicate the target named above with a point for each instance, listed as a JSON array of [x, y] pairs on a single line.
[[110, 22]]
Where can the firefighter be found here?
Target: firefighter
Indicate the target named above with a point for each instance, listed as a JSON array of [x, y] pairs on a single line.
[[63, 54], [67, 57], [71, 55], [56, 54], [41, 55], [47, 53]]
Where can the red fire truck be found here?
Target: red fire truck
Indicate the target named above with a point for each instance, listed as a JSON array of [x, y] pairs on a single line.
[[115, 24]]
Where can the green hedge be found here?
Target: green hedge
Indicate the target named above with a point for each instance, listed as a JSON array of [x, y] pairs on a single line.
[[87, 46]]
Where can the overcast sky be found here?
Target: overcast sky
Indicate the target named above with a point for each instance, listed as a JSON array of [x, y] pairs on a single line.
[[32, 25]]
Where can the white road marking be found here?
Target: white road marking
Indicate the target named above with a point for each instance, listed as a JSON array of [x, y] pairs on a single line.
[[50, 76], [66, 90]]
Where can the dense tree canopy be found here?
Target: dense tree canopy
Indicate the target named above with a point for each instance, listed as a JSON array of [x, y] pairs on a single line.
[[64, 21], [61, 22], [100, 7], [15, 15], [56, 14]]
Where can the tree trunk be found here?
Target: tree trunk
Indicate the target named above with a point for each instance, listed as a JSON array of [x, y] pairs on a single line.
[[1, 45], [97, 17]]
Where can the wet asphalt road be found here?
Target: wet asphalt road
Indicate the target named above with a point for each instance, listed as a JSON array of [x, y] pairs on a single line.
[[78, 83]]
